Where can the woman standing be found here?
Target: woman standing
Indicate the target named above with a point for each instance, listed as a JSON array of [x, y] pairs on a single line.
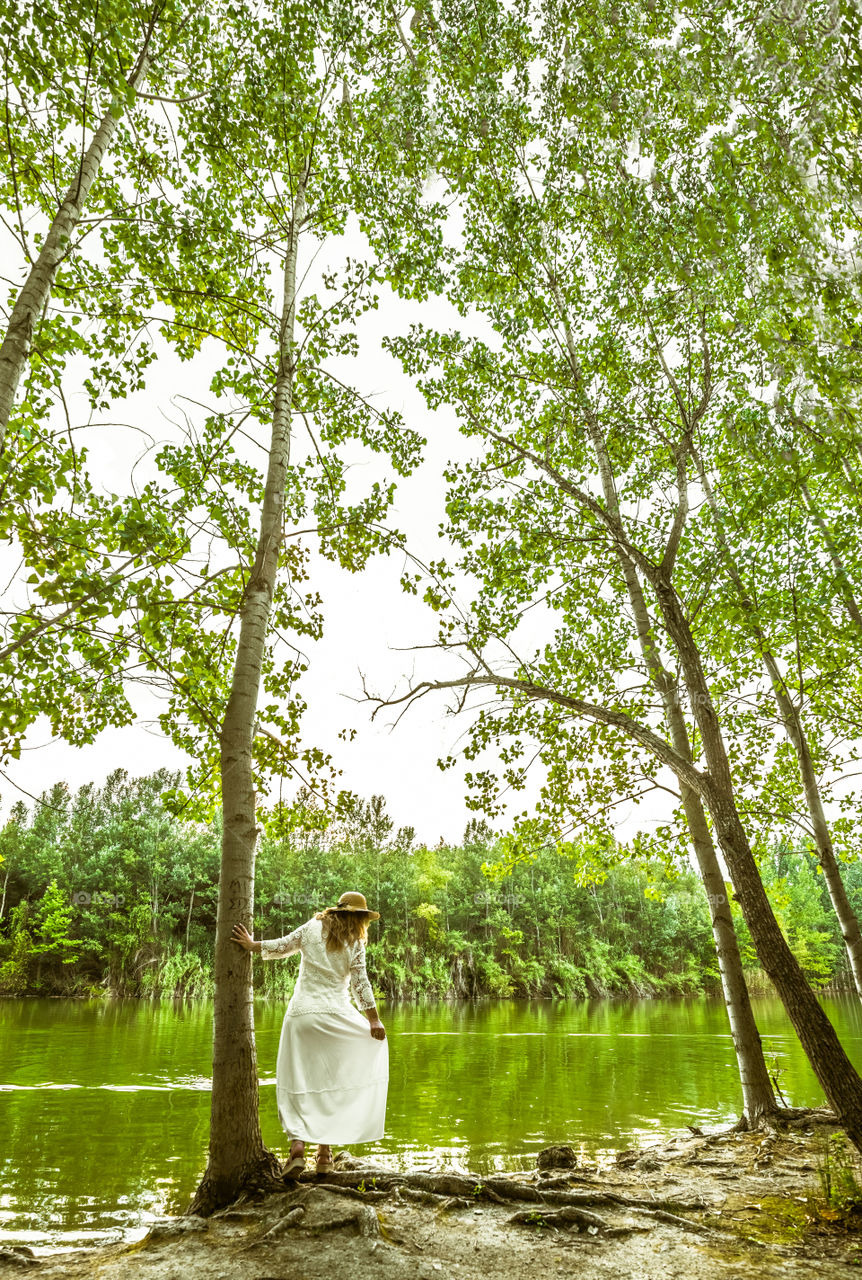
[[331, 1075]]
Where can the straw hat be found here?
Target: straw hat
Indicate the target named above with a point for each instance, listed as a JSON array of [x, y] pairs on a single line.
[[355, 903]]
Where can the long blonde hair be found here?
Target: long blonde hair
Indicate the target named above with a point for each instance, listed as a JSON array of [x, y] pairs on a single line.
[[343, 928]]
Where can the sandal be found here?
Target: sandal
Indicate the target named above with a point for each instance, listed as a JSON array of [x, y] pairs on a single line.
[[293, 1168], [324, 1166]]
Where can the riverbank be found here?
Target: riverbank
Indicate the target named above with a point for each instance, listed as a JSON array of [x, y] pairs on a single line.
[[740, 1205]]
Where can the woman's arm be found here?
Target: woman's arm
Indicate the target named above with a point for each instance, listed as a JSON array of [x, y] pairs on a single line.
[[360, 989], [377, 1028], [268, 949]]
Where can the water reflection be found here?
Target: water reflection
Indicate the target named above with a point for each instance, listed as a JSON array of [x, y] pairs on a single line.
[[104, 1107]]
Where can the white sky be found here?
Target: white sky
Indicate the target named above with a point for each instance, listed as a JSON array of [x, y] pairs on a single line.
[[368, 619]]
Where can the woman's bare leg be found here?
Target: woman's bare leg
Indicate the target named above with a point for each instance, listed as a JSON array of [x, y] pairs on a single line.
[[324, 1153]]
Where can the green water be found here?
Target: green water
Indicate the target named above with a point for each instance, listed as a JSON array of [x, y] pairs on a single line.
[[104, 1107]]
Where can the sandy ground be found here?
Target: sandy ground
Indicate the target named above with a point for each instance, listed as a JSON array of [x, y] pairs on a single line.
[[741, 1206]]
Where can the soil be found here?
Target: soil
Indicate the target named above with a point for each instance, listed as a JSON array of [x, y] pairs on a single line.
[[738, 1206]]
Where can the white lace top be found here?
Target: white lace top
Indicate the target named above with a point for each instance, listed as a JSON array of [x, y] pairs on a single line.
[[325, 977]]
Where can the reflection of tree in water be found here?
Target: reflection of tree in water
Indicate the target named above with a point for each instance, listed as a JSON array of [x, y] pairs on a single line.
[[479, 1085]]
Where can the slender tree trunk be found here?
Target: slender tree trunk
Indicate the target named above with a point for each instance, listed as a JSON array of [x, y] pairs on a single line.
[[237, 1156], [758, 1097], [837, 1075], [189, 916], [34, 296], [847, 917], [3, 902], [795, 729]]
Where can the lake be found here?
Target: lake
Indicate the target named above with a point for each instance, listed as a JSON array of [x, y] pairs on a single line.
[[104, 1105]]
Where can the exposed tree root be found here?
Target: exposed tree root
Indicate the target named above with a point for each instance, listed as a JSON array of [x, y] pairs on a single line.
[[368, 1196], [776, 1121], [799, 1117], [566, 1217], [316, 1210], [673, 1220], [260, 1178], [499, 1190]]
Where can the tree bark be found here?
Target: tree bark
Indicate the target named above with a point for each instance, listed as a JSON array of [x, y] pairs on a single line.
[[237, 1157], [795, 730], [189, 916], [847, 917], [758, 1097], [34, 296], [837, 1075]]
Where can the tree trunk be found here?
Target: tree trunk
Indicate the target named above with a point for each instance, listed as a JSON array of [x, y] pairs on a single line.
[[837, 1075], [3, 902], [34, 296], [189, 916], [847, 917], [758, 1097], [238, 1159], [795, 729]]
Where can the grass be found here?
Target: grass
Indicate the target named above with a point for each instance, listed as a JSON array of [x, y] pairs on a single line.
[[840, 1174]]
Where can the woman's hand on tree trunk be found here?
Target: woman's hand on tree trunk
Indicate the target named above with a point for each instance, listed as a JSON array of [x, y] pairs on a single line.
[[243, 937]]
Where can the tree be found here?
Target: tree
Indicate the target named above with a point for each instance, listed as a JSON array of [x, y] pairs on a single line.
[[300, 137], [789, 701], [82, 72], [615, 346], [94, 566]]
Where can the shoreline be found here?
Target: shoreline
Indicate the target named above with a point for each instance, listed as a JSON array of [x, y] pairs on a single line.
[[741, 1204], [757, 989]]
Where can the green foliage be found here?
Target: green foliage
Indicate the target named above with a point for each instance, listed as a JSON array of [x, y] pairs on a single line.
[[840, 1174], [800, 900], [110, 892]]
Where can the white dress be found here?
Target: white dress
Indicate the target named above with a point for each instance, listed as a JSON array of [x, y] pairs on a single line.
[[331, 1076]]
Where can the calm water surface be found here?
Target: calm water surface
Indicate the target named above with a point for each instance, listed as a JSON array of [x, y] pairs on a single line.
[[104, 1107]]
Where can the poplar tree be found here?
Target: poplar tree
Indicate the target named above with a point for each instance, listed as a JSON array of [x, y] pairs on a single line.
[[618, 241]]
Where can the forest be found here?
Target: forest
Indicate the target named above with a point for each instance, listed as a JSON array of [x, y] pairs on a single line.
[[106, 892]]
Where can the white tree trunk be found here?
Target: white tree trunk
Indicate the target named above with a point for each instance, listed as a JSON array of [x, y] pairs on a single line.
[[237, 1156], [36, 292]]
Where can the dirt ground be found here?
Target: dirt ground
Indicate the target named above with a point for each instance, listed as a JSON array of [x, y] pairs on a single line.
[[734, 1206]]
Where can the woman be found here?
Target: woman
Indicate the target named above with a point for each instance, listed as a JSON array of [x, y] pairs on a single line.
[[331, 1075]]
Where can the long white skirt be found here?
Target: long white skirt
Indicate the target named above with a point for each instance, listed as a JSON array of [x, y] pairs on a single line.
[[331, 1077]]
